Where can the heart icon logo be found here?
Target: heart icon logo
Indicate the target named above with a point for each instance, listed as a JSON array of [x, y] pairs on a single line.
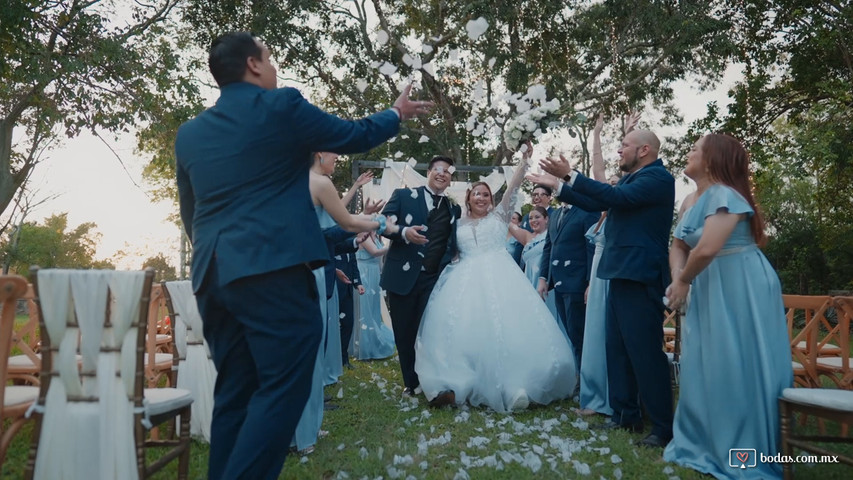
[[743, 456]]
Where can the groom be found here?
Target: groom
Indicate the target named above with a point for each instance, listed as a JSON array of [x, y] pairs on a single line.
[[418, 253]]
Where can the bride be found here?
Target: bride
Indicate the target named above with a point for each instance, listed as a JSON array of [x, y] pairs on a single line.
[[486, 336]]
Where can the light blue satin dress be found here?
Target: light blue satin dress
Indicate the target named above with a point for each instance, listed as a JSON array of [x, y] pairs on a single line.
[[531, 255], [594, 393], [332, 360], [312, 415], [371, 339], [736, 356]]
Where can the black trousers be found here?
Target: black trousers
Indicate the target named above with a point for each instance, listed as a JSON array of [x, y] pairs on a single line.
[[637, 367], [406, 312]]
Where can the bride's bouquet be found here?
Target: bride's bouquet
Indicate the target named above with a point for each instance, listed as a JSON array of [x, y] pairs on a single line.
[[530, 116]]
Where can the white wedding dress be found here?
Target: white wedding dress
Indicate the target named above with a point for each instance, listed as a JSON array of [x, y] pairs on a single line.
[[486, 334]]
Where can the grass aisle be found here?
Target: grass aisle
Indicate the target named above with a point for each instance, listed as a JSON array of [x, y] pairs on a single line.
[[377, 434]]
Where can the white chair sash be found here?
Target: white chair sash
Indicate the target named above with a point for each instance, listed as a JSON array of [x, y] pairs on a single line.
[[196, 371]]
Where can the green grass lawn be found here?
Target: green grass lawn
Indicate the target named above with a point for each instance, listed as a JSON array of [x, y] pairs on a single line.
[[377, 434]]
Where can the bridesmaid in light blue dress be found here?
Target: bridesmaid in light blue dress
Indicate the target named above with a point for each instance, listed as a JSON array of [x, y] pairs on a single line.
[[329, 207], [309, 424], [531, 255], [513, 246], [594, 392], [371, 338], [736, 357]]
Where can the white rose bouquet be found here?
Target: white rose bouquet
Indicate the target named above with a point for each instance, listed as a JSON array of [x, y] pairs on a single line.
[[530, 116]]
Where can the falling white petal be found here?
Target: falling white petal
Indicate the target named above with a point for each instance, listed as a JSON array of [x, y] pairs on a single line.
[[412, 162], [398, 154], [555, 263], [342, 315], [381, 37], [428, 68], [423, 139], [567, 263], [407, 59], [341, 447], [409, 219], [492, 62], [451, 169], [427, 49], [387, 69], [476, 28], [361, 85], [406, 267], [414, 193]]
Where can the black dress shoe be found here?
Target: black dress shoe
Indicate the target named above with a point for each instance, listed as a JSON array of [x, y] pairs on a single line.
[[328, 407], [633, 427], [443, 399], [409, 392], [653, 441], [327, 398]]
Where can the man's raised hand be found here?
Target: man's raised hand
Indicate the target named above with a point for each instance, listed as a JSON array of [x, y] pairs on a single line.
[[409, 108]]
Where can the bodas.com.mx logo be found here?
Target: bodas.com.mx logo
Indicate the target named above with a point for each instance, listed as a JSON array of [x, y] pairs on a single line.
[[742, 457]]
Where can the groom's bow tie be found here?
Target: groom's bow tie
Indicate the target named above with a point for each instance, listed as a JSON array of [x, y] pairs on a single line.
[[436, 198]]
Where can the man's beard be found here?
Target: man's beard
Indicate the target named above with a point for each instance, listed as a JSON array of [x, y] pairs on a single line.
[[631, 164]]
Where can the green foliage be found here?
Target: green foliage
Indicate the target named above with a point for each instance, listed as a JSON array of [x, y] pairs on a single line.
[[591, 56], [74, 66], [794, 110], [165, 272], [52, 245]]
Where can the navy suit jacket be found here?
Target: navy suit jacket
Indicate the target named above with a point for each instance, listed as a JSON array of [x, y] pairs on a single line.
[[346, 262], [639, 219], [403, 261], [566, 245], [338, 241], [242, 172]]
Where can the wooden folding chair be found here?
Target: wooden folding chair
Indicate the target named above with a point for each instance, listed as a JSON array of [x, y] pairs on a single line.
[[92, 418], [673, 352], [838, 368], [14, 399], [806, 345], [25, 366], [823, 403], [159, 347]]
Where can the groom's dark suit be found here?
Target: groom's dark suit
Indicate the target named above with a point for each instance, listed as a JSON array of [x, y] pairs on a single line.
[[566, 263], [242, 173], [410, 270], [635, 260]]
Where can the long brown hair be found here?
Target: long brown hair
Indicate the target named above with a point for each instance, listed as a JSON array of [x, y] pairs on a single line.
[[728, 163], [471, 189]]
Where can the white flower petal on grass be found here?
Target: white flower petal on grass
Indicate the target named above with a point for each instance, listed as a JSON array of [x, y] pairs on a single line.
[[409, 219], [393, 472], [362, 453], [581, 468], [668, 470], [412, 163], [461, 475], [304, 459], [423, 139], [615, 459], [617, 473], [424, 465], [341, 447], [387, 69], [381, 37], [361, 85], [406, 460], [380, 452], [532, 461], [478, 442], [340, 393], [476, 28]]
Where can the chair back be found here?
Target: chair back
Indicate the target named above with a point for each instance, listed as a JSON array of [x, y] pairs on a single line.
[[14, 400], [844, 308], [26, 365], [90, 412], [195, 368], [806, 345]]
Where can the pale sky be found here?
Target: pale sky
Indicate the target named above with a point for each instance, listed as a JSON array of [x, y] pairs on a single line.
[[93, 186]]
